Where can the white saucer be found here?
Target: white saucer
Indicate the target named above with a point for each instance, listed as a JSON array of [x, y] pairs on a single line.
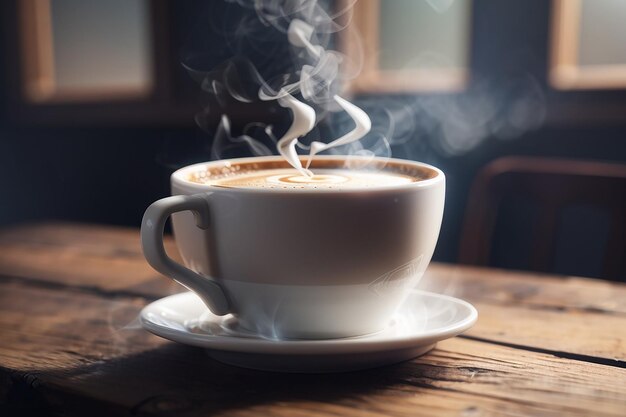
[[423, 320]]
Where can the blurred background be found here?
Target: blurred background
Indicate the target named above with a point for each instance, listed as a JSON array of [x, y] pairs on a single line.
[[521, 103]]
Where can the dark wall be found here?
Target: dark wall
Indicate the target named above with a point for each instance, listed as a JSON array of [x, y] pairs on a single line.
[[110, 174], [99, 175]]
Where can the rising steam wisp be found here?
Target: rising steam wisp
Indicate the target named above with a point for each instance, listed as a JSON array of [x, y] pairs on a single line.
[[299, 34], [279, 55]]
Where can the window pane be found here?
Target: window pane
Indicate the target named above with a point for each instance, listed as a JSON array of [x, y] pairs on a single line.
[[602, 32], [100, 45], [419, 34]]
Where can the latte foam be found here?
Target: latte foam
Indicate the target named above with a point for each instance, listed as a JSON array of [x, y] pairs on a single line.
[[288, 178]]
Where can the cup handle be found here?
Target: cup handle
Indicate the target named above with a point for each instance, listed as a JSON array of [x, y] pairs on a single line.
[[152, 226]]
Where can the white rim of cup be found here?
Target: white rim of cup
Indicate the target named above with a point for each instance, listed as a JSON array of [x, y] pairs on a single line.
[[180, 177]]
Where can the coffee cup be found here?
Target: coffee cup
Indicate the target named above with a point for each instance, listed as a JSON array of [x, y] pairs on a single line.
[[289, 256]]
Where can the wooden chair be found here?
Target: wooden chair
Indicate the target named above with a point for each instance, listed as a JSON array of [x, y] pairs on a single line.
[[552, 185]]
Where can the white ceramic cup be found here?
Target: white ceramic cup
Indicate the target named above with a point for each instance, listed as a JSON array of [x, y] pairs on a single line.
[[299, 263]]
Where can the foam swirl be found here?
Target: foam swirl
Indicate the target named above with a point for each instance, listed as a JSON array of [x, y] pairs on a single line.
[[285, 178]]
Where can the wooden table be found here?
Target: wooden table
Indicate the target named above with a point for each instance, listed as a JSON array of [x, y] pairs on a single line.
[[70, 345]]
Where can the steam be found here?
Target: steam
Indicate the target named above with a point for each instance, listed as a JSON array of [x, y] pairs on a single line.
[[456, 124], [223, 139], [326, 66], [278, 61], [300, 34], [308, 90], [303, 122]]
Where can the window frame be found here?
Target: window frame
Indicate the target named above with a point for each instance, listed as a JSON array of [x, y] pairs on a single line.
[[167, 106], [160, 104], [564, 71], [372, 79]]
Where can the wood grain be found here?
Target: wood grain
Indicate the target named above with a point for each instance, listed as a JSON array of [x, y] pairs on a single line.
[[514, 307], [103, 258], [531, 290], [70, 352], [590, 334], [70, 345], [109, 259]]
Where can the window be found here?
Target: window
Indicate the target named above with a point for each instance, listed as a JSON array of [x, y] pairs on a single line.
[[588, 49], [411, 45], [85, 50]]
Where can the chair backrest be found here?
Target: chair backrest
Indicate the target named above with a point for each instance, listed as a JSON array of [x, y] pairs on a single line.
[[552, 185]]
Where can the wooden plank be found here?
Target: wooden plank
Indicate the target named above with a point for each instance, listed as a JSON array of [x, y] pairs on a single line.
[[66, 346], [104, 258], [110, 259], [571, 315], [66, 349], [46, 329], [515, 308], [530, 289], [580, 333]]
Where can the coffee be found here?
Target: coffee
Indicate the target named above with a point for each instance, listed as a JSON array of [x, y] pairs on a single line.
[[288, 178], [328, 174]]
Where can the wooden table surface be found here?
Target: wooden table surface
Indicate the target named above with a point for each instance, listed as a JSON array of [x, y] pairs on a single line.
[[70, 344]]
